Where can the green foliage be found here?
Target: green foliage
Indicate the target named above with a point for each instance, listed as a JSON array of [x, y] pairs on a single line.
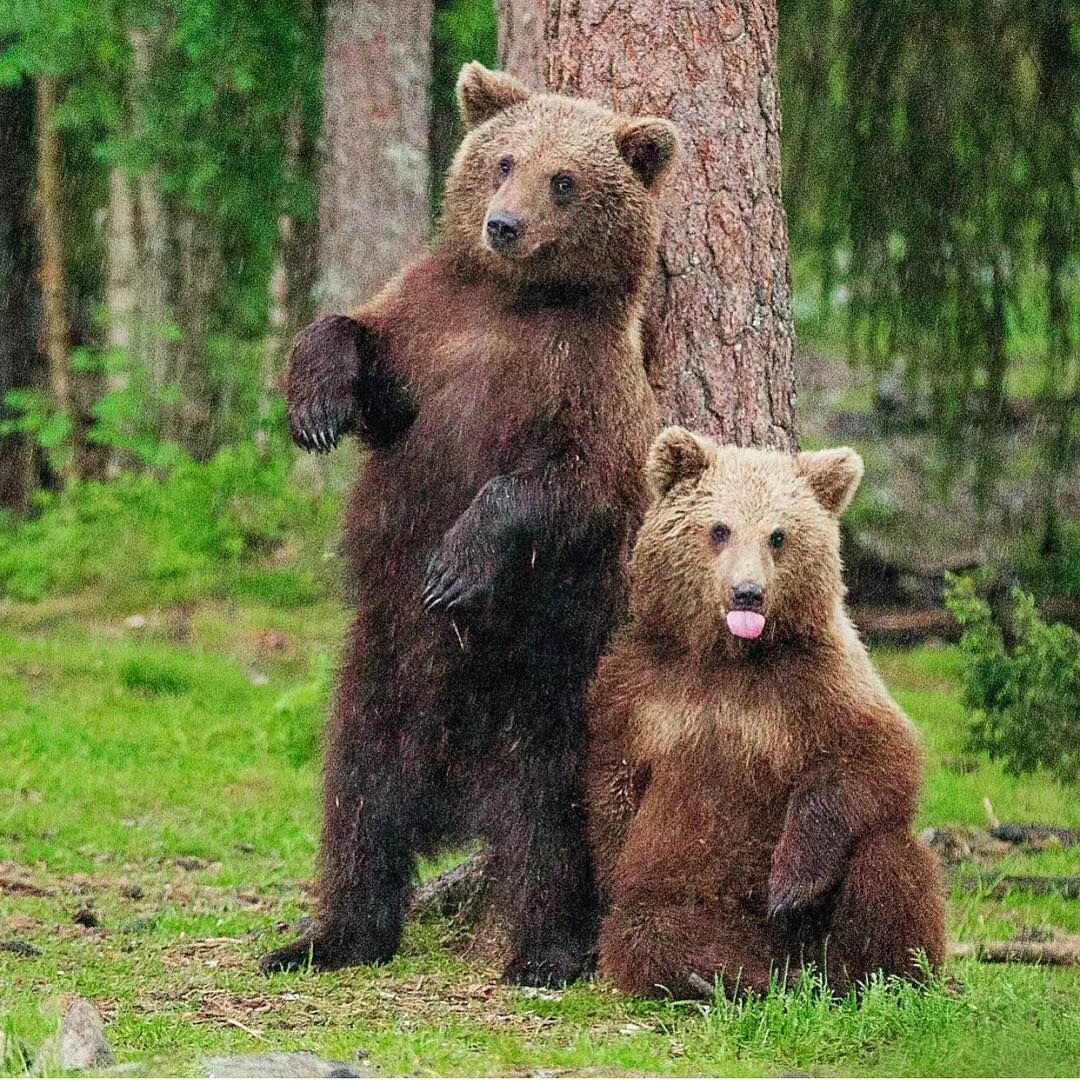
[[162, 537], [463, 30], [1025, 698], [930, 164]]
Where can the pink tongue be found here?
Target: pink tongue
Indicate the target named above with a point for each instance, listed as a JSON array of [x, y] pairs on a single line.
[[747, 624]]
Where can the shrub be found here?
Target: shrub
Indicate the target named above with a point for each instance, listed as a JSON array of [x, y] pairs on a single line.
[[161, 538], [1025, 698]]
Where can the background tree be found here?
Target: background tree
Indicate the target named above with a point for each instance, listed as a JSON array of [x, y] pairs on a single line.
[[18, 356], [719, 330], [373, 201], [521, 40]]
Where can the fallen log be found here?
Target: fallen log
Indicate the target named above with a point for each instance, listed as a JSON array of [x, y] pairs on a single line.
[[456, 892], [1062, 950], [1036, 834], [1039, 884]]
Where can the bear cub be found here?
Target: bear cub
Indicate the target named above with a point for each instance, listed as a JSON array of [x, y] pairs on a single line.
[[751, 782], [499, 386]]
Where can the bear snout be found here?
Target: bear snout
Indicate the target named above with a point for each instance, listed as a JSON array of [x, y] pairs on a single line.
[[503, 230], [748, 596]]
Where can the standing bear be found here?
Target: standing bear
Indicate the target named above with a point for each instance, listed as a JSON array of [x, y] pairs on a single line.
[[500, 387], [751, 783]]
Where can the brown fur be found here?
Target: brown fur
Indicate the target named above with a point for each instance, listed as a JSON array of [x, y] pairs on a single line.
[[751, 800], [504, 399]]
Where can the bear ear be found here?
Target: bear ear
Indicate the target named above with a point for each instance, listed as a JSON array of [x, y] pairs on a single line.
[[482, 93], [833, 475], [677, 454], [648, 145]]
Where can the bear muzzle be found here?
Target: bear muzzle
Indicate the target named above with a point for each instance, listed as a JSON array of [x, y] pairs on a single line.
[[502, 231], [745, 619]]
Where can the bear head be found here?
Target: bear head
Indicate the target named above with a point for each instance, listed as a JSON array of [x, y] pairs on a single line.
[[553, 191], [740, 548]]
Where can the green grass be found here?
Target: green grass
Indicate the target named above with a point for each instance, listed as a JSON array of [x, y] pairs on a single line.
[[164, 777]]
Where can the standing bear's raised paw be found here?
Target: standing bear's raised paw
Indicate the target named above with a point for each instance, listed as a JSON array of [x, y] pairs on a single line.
[[324, 382], [337, 385]]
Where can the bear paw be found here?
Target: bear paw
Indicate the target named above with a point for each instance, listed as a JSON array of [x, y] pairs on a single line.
[[555, 968], [797, 886], [461, 574], [323, 383], [319, 954]]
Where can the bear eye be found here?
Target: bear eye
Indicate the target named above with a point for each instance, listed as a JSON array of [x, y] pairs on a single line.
[[505, 165], [562, 187], [720, 534], [776, 540]]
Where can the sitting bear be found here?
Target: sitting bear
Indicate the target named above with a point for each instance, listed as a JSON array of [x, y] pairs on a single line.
[[500, 387], [751, 783]]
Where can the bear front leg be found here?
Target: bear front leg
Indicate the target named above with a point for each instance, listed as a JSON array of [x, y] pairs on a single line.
[[478, 549], [831, 808], [338, 382]]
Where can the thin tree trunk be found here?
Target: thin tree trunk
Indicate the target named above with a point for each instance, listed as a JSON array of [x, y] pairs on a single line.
[[198, 266], [153, 291], [521, 40], [56, 326], [18, 356], [121, 269], [719, 327], [373, 210]]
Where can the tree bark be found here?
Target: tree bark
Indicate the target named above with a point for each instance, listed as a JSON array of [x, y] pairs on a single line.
[[18, 356], [521, 40], [718, 338], [373, 209]]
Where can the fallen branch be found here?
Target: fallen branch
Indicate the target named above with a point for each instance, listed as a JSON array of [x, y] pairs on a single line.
[[1037, 835], [1060, 951], [454, 893], [1039, 884]]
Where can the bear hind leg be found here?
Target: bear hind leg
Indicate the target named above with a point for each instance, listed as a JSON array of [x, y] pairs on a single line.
[[889, 908]]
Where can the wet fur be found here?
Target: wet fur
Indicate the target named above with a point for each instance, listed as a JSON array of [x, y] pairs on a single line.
[[751, 801], [508, 416]]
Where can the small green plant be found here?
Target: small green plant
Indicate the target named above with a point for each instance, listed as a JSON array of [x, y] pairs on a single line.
[[152, 676], [1024, 697], [299, 713]]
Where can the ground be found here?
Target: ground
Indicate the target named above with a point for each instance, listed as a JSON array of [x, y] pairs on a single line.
[[160, 779]]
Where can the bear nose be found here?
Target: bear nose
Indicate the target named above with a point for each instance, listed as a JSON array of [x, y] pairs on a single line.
[[503, 229], [748, 596]]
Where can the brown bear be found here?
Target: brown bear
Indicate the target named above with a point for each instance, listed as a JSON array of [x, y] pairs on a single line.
[[751, 783], [500, 387]]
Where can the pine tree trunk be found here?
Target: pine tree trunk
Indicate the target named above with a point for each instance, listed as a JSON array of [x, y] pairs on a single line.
[[719, 326], [521, 40], [373, 210], [55, 325], [18, 356]]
